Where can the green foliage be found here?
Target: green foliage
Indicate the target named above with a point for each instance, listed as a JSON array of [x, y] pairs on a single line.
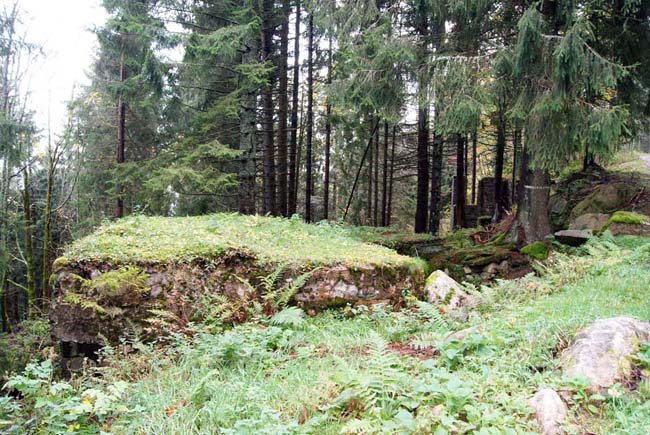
[[59, 407], [30, 338], [537, 250]]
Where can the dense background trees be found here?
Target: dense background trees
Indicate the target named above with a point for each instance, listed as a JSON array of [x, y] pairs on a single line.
[[372, 112]]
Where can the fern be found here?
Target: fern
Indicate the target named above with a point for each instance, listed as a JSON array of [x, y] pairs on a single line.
[[430, 312], [289, 317]]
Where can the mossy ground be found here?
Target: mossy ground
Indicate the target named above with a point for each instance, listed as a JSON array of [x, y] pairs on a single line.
[[140, 240]]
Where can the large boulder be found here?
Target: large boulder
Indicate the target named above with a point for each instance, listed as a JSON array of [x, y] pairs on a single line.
[[628, 223], [601, 352], [605, 198], [590, 221], [550, 411], [442, 289]]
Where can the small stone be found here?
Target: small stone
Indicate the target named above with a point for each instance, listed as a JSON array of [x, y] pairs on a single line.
[[573, 237], [550, 411], [467, 270]]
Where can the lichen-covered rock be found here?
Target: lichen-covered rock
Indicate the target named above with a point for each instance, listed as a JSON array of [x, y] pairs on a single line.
[[601, 352], [590, 221], [441, 289], [550, 411], [627, 223], [606, 198]]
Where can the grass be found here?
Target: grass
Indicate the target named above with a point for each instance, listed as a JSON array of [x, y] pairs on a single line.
[[384, 371], [141, 239], [296, 381]]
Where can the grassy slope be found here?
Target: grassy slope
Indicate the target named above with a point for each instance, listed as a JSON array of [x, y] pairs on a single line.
[[259, 379], [157, 239]]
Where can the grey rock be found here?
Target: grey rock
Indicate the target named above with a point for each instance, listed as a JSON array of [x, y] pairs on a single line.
[[440, 288], [573, 237], [589, 221], [550, 411], [601, 352]]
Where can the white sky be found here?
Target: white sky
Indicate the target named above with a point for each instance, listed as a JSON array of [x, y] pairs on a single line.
[[62, 28]]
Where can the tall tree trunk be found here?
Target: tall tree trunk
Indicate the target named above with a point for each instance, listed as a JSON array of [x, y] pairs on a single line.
[[389, 211], [370, 167], [121, 123], [460, 189], [301, 141], [422, 195], [474, 141], [516, 140], [422, 171], [534, 208], [384, 189], [499, 200], [269, 173], [283, 104], [310, 118], [293, 144], [30, 286], [247, 142], [357, 177], [47, 228], [328, 137], [435, 208], [375, 215], [532, 220]]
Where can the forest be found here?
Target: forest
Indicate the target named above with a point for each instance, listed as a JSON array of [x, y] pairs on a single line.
[[353, 216]]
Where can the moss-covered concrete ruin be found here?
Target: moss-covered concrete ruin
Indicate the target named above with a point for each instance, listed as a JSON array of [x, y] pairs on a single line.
[[119, 277]]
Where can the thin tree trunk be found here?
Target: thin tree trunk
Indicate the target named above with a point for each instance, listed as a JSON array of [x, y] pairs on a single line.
[[370, 166], [30, 286], [47, 230], [268, 165], [384, 190], [283, 104], [247, 143], [328, 137], [359, 169], [422, 171], [375, 216], [121, 123], [474, 141], [310, 118], [460, 183], [301, 141], [389, 211], [422, 196], [498, 168], [436, 185], [515, 146], [293, 144]]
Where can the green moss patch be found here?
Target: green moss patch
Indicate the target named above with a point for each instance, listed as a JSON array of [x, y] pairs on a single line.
[[627, 217], [146, 240], [538, 250]]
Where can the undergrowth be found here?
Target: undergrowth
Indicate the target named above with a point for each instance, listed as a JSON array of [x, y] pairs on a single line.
[[375, 370]]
